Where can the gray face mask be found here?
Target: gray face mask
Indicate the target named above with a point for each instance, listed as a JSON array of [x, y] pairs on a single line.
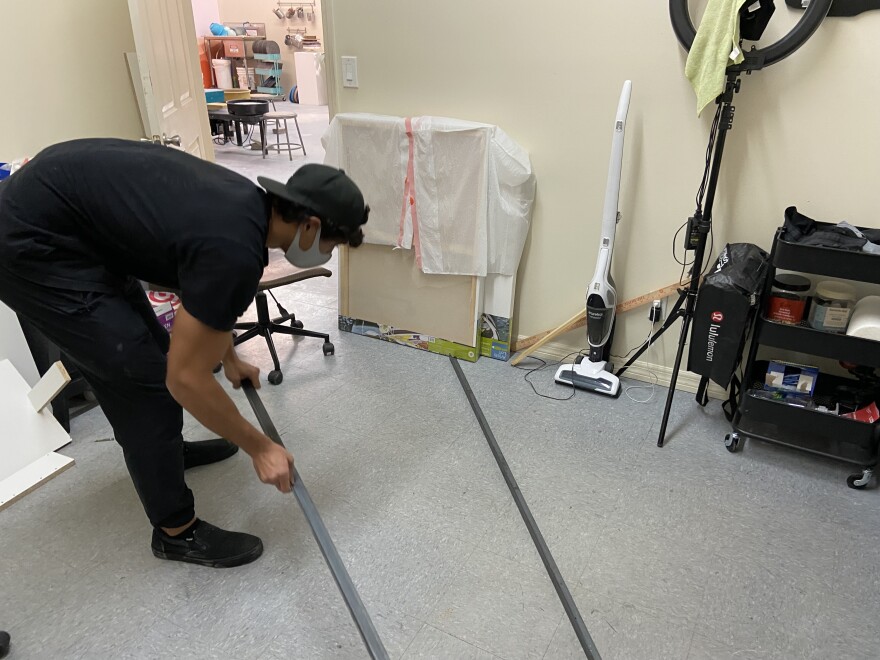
[[311, 258]]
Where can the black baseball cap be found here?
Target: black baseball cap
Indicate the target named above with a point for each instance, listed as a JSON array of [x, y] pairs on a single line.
[[327, 191]]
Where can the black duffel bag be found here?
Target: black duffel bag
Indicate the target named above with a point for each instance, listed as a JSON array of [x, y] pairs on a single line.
[[726, 305]]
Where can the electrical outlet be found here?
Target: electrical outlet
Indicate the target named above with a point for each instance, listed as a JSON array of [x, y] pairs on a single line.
[[657, 311]]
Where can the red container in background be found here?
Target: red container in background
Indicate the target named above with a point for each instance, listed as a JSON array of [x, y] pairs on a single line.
[[205, 66], [788, 298]]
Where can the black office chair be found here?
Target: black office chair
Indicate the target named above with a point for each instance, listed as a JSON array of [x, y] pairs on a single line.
[[280, 273]]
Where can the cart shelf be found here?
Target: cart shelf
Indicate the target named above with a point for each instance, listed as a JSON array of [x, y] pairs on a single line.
[[269, 73], [809, 430], [817, 342], [794, 426], [831, 262]]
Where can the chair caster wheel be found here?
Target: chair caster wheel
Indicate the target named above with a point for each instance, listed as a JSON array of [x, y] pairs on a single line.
[[275, 377], [329, 348], [296, 324], [852, 479], [732, 442], [860, 481]]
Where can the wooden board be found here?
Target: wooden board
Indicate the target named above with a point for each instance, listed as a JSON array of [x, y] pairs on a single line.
[[383, 285], [49, 386], [529, 345]]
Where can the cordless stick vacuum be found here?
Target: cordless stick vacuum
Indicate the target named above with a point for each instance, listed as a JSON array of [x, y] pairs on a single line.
[[594, 373]]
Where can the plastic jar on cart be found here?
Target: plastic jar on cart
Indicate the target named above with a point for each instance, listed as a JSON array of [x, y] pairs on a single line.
[[788, 298], [832, 306]]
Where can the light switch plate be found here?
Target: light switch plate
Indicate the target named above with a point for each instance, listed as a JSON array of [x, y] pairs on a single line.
[[349, 71]]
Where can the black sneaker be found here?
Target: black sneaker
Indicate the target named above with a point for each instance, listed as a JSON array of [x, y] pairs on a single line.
[[205, 452], [207, 545]]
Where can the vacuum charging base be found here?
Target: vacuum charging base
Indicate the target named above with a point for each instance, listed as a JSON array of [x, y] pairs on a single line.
[[590, 376]]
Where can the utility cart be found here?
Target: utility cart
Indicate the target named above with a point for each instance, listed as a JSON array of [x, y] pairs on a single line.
[[800, 427]]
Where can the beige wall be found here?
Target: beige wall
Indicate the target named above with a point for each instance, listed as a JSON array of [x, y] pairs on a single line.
[[205, 12], [807, 131], [65, 74], [260, 11]]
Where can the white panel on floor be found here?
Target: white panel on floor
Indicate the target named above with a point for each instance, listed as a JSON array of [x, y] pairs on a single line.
[[27, 439], [14, 348]]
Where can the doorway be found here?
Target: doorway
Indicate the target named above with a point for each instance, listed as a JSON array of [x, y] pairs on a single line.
[[290, 77]]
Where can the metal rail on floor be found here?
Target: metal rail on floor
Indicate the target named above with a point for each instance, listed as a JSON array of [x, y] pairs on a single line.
[[571, 609], [334, 562]]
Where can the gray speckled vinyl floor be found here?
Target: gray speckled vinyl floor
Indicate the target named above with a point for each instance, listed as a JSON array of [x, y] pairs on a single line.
[[686, 552]]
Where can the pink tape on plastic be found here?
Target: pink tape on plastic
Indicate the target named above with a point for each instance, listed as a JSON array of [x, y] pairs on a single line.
[[409, 196], [403, 215]]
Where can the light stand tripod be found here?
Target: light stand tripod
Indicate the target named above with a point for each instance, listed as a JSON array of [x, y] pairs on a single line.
[[698, 228], [700, 225]]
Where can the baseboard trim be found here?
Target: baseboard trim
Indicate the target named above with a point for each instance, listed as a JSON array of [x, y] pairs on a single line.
[[640, 370]]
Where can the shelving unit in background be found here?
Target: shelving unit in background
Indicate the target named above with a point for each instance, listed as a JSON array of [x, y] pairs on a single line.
[[801, 428], [234, 49], [264, 72]]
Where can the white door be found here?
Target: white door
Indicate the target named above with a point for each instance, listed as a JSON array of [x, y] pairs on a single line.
[[174, 106]]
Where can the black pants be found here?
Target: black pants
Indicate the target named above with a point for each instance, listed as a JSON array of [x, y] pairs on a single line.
[[120, 348]]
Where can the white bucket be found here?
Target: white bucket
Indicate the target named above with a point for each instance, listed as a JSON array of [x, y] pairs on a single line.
[[223, 73]]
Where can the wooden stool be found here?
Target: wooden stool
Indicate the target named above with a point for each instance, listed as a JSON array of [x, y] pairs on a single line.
[[277, 118]]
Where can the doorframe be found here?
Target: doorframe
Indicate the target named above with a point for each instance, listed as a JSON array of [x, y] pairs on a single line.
[[330, 72], [193, 54]]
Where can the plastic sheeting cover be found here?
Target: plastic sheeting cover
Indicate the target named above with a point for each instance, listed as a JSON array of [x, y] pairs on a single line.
[[466, 209]]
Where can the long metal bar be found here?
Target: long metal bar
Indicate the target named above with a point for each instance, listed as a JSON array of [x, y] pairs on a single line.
[[571, 609], [334, 562]]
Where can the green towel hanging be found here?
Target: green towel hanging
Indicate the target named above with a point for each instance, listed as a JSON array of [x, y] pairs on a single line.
[[715, 47]]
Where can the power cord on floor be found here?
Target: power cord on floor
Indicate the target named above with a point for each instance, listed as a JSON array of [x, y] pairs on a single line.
[[634, 349], [652, 386], [544, 364], [220, 140], [649, 386], [250, 134]]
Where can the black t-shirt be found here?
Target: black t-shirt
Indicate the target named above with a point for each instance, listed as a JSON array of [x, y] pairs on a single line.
[[88, 214]]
